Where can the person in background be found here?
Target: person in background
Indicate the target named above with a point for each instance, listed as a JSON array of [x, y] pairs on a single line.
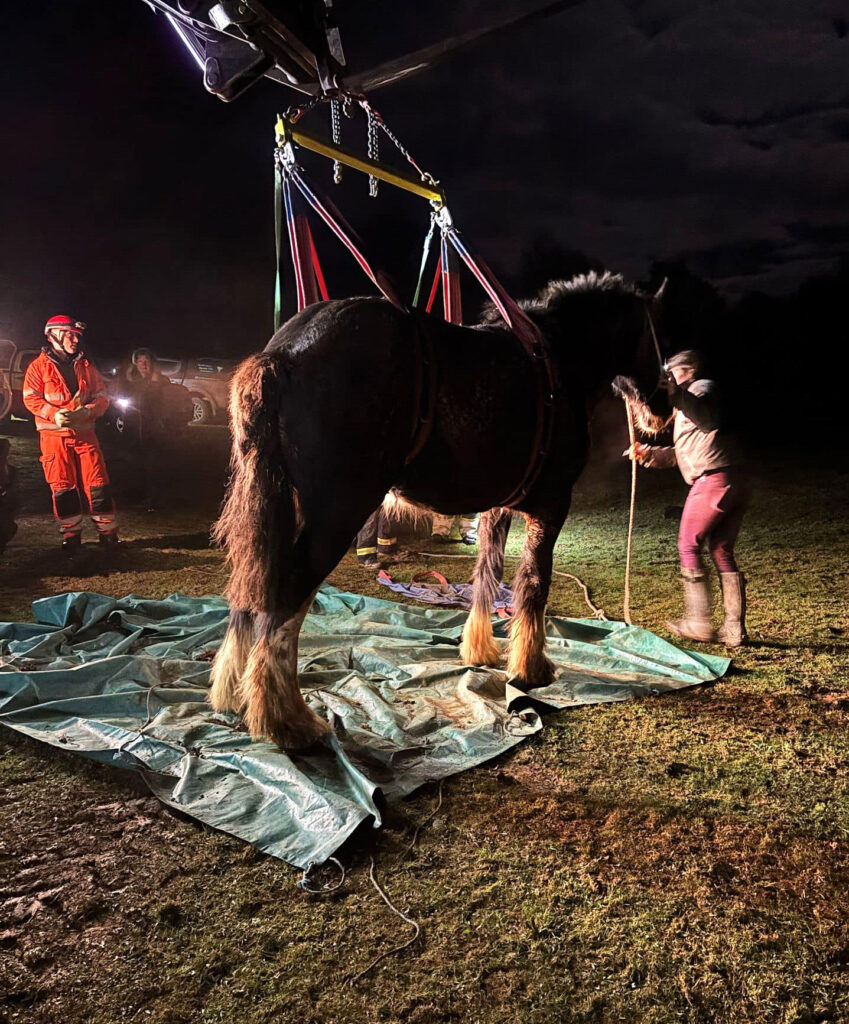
[[163, 411], [376, 537], [65, 394], [10, 495], [442, 526], [713, 512]]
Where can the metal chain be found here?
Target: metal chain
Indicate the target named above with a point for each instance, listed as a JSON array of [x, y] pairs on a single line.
[[297, 111], [336, 135], [372, 148], [387, 131]]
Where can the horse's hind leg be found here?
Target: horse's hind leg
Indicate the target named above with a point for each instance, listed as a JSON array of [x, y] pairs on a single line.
[[230, 662], [527, 662], [273, 703], [479, 646]]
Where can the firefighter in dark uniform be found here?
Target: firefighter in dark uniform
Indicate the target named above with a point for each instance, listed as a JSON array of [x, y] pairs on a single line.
[[377, 537]]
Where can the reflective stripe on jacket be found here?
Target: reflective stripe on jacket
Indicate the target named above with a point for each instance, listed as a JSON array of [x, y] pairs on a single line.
[[45, 392]]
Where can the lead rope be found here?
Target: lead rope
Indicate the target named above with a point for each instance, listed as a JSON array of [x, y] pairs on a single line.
[[626, 606], [598, 613], [417, 930]]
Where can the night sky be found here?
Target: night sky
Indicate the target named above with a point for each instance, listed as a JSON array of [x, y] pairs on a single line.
[[631, 131]]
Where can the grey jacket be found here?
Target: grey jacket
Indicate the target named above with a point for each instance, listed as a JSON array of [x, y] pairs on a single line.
[[698, 443]]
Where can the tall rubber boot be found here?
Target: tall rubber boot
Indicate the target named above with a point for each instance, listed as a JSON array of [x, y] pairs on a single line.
[[696, 624], [732, 632]]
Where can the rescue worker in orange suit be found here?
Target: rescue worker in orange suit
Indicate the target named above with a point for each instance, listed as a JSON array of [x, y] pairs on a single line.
[[65, 394]]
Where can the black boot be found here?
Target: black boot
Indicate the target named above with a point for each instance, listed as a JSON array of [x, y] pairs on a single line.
[[109, 541], [71, 544]]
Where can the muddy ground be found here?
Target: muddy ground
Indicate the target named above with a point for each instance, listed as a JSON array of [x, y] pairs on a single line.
[[674, 859]]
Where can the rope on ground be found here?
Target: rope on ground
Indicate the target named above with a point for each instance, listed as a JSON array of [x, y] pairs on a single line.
[[326, 887], [439, 554], [398, 949], [424, 822], [598, 613], [626, 606]]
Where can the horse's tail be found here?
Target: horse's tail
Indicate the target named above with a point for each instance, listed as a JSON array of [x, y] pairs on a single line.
[[258, 521], [256, 669]]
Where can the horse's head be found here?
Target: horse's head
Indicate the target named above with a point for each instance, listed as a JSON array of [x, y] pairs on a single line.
[[603, 329]]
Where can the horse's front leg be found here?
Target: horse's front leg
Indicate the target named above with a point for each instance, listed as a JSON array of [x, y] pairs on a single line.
[[479, 646], [527, 663]]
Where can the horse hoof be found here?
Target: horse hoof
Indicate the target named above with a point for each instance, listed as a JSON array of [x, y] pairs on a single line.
[[300, 738], [534, 678], [489, 657]]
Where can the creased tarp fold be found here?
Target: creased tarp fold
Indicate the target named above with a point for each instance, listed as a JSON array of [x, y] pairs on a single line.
[[118, 681]]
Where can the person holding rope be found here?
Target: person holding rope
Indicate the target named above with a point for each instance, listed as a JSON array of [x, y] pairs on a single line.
[[715, 505]]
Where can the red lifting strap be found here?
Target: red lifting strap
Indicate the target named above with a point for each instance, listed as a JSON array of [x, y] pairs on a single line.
[[299, 246], [436, 279], [316, 266], [344, 232]]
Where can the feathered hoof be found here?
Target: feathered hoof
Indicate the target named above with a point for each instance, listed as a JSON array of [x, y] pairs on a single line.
[[480, 653], [478, 646], [225, 693], [228, 668], [531, 676], [295, 733]]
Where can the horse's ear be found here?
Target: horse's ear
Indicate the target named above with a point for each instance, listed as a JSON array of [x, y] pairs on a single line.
[[658, 295]]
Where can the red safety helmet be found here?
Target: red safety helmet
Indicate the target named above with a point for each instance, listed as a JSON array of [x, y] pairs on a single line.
[[63, 323]]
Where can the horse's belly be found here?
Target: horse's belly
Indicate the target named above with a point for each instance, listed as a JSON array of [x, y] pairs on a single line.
[[440, 480]]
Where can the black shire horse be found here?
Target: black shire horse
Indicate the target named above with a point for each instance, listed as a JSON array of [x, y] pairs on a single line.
[[322, 422]]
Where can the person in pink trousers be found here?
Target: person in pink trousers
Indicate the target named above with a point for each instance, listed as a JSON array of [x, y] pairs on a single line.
[[713, 512]]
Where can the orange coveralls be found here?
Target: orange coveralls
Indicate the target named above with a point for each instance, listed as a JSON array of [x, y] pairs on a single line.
[[71, 456]]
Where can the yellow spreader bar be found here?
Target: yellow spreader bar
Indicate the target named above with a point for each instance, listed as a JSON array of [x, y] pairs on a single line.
[[289, 133]]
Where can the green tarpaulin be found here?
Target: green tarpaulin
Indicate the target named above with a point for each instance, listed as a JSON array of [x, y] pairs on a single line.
[[117, 680]]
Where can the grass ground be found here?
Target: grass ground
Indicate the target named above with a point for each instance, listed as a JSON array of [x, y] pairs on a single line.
[[662, 860]]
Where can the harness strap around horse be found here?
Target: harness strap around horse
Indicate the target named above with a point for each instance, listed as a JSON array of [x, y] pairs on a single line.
[[547, 385], [520, 324], [533, 342]]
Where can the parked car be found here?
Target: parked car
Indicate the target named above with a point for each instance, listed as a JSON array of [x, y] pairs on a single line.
[[13, 367], [7, 352], [206, 379]]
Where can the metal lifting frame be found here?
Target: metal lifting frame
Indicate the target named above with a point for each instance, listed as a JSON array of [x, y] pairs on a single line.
[[308, 275], [287, 131]]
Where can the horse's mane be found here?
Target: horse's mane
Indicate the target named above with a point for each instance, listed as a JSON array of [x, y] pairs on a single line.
[[556, 291]]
